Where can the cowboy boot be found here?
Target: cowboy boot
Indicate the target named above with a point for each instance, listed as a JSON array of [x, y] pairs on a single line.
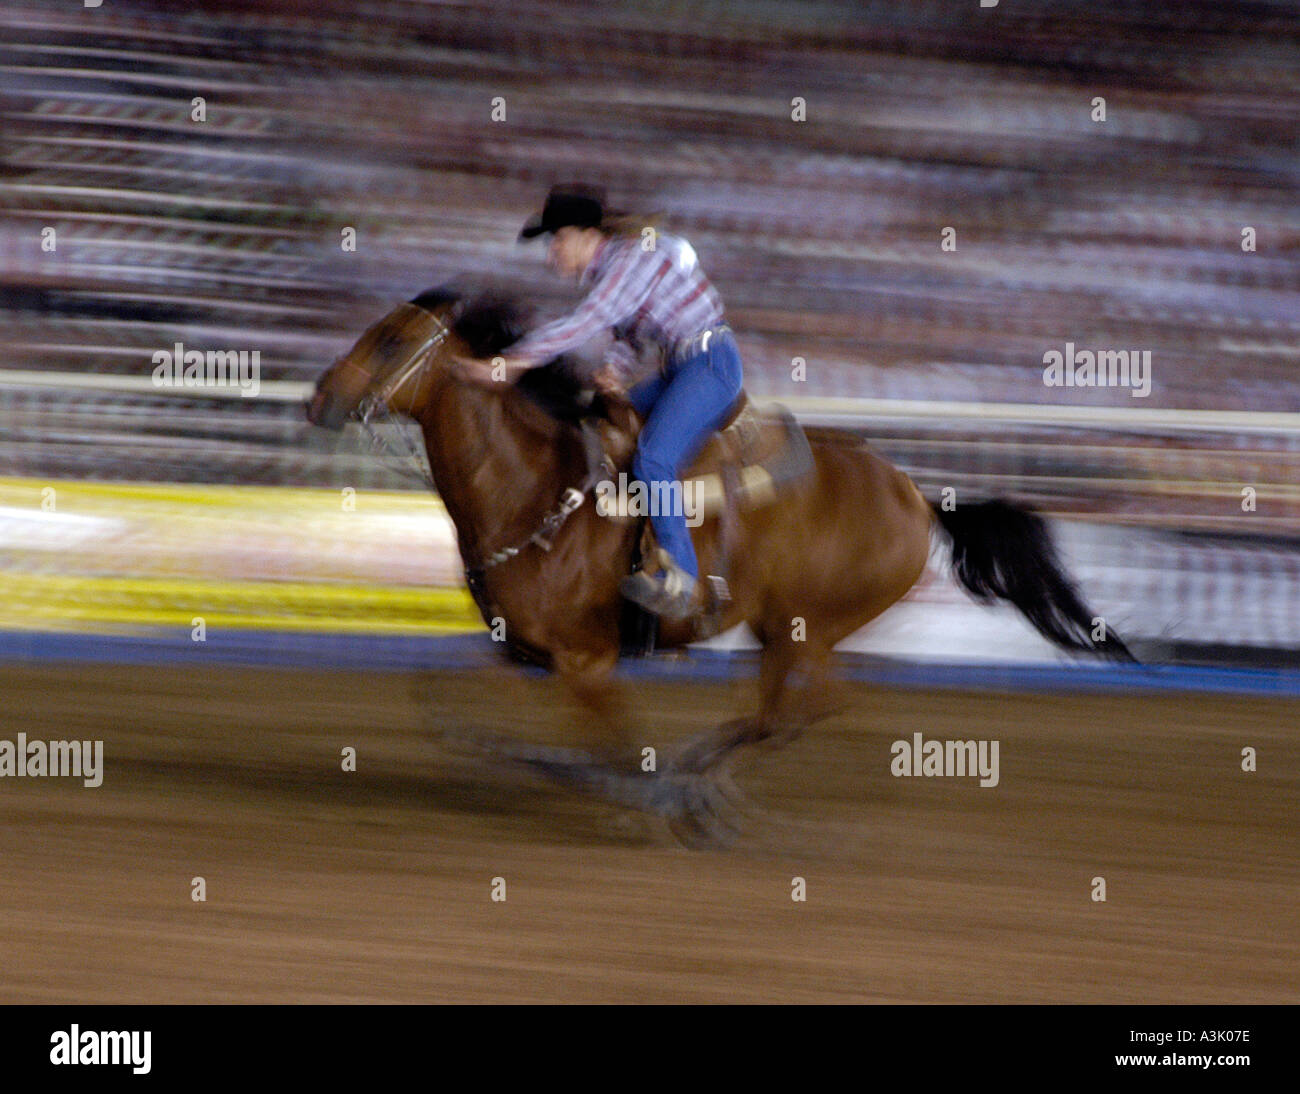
[[669, 594]]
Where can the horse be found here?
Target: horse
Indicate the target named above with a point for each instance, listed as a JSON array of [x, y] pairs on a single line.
[[829, 554]]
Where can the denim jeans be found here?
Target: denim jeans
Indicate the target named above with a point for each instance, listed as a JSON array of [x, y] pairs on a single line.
[[681, 409]]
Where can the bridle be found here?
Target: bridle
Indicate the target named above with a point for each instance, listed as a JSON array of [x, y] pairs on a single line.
[[373, 410]]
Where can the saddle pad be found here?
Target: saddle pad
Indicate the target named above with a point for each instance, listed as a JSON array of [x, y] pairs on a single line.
[[768, 450]]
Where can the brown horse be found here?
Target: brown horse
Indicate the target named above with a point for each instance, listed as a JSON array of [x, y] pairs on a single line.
[[829, 555]]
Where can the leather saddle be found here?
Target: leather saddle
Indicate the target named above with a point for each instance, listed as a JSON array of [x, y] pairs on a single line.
[[744, 465]]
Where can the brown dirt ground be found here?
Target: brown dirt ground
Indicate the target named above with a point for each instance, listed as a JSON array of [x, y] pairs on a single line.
[[324, 886]]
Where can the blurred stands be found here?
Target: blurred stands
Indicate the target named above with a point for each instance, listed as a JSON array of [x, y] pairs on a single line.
[[823, 235]]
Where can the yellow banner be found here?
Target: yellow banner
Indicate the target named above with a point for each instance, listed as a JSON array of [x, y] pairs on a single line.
[[86, 556]]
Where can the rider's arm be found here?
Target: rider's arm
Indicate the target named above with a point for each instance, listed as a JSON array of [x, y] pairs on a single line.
[[621, 361], [616, 296]]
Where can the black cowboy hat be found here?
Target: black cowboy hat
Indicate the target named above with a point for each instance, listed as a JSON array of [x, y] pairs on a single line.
[[573, 205]]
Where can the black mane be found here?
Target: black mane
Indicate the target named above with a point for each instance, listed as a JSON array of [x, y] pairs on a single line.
[[489, 323]]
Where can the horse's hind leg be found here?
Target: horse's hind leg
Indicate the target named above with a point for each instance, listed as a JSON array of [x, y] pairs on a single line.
[[779, 720]]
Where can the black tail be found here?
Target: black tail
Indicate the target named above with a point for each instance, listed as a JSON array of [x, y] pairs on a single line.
[[1002, 552]]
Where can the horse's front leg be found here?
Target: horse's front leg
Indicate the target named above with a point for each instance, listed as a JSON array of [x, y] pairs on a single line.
[[604, 726], [626, 772]]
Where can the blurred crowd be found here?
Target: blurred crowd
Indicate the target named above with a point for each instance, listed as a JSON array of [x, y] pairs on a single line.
[[918, 200]]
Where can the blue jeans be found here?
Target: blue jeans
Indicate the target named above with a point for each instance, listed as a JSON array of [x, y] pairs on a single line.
[[681, 409]]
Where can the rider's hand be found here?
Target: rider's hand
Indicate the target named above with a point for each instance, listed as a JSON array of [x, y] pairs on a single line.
[[484, 371], [607, 381]]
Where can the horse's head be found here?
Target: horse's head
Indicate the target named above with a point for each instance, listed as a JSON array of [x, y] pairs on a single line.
[[388, 362]]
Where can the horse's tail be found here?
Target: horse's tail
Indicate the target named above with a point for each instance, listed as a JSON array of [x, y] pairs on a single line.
[[1003, 552]]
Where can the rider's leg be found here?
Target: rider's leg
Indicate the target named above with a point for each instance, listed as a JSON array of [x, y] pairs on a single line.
[[644, 396], [691, 406]]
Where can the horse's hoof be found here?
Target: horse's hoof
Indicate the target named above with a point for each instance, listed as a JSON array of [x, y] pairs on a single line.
[[729, 793], [702, 754], [696, 813], [695, 806]]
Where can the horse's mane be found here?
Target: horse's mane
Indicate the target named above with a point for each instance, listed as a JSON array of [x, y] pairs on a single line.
[[490, 322], [486, 322]]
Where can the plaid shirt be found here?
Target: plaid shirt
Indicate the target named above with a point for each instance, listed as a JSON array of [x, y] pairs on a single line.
[[645, 297]]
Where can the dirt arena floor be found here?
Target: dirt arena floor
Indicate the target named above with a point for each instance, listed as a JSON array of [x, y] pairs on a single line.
[[375, 886]]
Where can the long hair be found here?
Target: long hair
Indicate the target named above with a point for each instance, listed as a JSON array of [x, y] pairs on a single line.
[[629, 225]]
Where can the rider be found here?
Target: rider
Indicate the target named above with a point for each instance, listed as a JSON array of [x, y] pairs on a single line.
[[647, 288]]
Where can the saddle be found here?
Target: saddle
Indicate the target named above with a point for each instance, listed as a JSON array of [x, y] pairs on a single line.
[[744, 465]]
